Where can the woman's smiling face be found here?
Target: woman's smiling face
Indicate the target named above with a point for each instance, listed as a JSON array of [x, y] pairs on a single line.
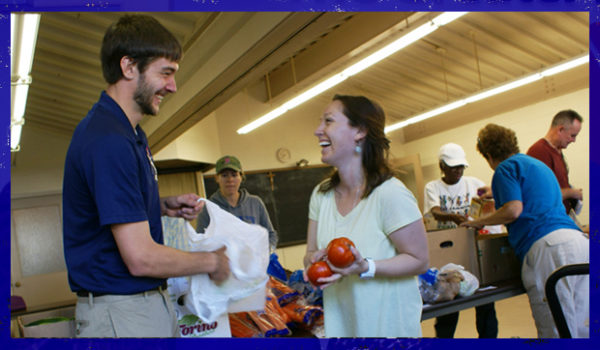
[[337, 137]]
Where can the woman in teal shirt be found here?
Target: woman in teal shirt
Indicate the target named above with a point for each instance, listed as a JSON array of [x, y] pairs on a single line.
[[529, 202]]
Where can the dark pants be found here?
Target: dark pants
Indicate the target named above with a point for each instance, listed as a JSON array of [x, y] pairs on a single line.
[[485, 320]]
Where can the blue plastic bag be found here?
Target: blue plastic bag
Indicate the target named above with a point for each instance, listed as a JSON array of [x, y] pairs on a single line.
[[275, 269]]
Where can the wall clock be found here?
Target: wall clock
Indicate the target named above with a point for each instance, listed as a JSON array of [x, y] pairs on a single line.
[[283, 155]]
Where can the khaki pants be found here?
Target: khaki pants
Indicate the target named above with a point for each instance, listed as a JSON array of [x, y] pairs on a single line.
[[556, 249], [147, 314]]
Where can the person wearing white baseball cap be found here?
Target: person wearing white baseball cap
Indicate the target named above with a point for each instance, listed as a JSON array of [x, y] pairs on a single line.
[[449, 199], [453, 155]]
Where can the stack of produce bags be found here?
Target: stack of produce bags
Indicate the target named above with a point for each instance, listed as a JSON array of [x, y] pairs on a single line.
[[286, 310]]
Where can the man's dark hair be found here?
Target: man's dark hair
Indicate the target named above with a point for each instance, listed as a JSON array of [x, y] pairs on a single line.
[[566, 117], [140, 37]]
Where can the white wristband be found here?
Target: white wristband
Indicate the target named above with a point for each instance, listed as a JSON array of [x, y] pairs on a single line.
[[370, 273]]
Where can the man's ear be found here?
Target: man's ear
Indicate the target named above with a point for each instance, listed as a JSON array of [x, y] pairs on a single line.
[[128, 67]]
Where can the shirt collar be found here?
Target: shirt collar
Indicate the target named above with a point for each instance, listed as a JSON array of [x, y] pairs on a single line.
[[109, 103]]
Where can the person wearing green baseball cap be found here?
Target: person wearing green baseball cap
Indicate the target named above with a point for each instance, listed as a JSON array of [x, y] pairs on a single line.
[[237, 201]]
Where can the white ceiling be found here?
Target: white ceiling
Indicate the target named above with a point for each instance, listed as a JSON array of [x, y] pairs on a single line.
[[226, 52]]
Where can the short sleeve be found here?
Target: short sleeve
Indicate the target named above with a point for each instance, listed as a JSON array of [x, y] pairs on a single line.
[[505, 186], [397, 205], [112, 172], [432, 197]]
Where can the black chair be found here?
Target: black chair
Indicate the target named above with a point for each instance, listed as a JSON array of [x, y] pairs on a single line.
[[553, 302]]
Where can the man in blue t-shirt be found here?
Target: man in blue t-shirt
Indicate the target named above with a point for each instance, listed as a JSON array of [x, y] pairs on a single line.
[[529, 202], [113, 242]]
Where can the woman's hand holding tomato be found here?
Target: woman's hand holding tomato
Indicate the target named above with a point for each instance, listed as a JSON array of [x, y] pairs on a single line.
[[341, 252], [344, 258], [358, 266], [318, 270], [320, 257]]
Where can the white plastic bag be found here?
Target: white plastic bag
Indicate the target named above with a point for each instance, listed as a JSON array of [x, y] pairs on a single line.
[[468, 285], [248, 253], [188, 324]]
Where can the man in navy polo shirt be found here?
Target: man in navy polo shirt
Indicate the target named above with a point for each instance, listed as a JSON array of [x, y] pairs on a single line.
[[117, 263]]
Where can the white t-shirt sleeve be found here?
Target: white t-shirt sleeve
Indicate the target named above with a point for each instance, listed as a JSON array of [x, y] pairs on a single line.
[[398, 206], [432, 196]]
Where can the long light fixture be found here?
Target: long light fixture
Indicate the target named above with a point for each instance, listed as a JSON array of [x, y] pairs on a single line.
[[24, 28], [561, 67], [363, 64]]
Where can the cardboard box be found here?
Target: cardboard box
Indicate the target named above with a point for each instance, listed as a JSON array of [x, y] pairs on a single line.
[[453, 246], [430, 222], [64, 329], [497, 260]]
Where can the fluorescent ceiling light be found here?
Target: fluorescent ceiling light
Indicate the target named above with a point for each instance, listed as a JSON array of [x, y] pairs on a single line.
[[24, 28], [426, 115], [27, 45], [15, 136], [446, 18], [503, 88], [303, 97], [566, 66], [363, 64], [19, 100], [561, 67]]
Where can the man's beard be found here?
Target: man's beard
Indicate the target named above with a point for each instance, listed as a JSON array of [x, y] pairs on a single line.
[[144, 95]]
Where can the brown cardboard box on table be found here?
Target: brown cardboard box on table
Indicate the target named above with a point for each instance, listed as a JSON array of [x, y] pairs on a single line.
[[497, 259], [64, 329], [455, 246]]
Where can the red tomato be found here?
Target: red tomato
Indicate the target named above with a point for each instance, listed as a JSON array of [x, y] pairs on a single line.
[[339, 253], [318, 270]]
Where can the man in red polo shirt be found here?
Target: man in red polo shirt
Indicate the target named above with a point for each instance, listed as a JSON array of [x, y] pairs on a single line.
[[564, 129]]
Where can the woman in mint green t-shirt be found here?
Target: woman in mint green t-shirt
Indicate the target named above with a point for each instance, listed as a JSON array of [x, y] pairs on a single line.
[[377, 295]]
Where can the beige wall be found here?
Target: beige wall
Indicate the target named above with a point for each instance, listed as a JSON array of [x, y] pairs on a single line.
[[200, 143], [530, 124], [293, 130], [291, 257], [38, 170]]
